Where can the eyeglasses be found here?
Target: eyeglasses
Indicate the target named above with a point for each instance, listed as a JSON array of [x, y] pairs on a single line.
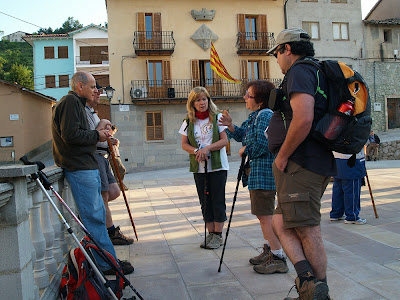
[[248, 96], [278, 50]]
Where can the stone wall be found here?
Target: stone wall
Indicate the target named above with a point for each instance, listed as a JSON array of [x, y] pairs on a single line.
[[389, 150], [383, 82]]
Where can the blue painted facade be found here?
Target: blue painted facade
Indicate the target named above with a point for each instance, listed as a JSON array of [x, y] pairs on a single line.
[[52, 66]]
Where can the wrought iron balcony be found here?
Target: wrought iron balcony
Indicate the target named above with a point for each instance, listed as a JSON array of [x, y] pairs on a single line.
[[250, 43], [154, 42], [177, 90]]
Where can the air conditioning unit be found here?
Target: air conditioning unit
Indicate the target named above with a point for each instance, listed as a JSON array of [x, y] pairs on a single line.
[[139, 92]]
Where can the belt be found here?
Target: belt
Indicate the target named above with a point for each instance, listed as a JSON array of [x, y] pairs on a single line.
[[105, 155], [103, 149]]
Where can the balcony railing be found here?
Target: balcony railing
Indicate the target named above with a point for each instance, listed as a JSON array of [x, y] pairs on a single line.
[[177, 90], [85, 60], [251, 43], [154, 42]]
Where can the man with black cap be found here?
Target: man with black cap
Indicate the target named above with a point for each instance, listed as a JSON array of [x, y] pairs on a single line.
[[302, 166], [109, 187]]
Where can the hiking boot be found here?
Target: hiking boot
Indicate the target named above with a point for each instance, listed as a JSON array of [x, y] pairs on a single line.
[[337, 219], [359, 221], [208, 239], [126, 267], [119, 238], [215, 242], [311, 289], [273, 264], [259, 259]]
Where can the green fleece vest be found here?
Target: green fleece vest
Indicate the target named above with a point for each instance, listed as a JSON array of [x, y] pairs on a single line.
[[215, 155]]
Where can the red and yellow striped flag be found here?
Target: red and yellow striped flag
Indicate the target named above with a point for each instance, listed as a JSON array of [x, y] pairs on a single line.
[[218, 67]]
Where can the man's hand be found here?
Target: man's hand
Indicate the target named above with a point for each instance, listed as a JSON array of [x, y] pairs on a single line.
[[114, 141], [104, 124], [241, 151], [281, 163], [226, 120], [103, 135]]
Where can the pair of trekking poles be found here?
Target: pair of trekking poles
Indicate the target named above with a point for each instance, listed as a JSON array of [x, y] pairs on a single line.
[[206, 193], [44, 184]]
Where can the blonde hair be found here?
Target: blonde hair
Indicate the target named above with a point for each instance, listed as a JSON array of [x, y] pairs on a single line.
[[194, 94]]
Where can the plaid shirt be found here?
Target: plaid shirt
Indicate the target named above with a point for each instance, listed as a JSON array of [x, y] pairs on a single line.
[[251, 134]]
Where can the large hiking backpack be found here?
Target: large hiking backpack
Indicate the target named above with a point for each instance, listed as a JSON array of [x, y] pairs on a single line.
[[344, 84], [79, 282]]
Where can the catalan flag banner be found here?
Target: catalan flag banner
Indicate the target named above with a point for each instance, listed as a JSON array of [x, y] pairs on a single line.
[[218, 67]]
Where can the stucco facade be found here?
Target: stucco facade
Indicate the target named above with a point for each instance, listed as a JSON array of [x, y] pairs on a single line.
[[130, 66], [325, 15], [25, 118]]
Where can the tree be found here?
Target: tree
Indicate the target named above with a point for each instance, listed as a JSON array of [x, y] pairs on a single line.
[[20, 74], [69, 25]]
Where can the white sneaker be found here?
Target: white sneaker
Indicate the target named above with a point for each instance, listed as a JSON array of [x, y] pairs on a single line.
[[360, 221], [208, 239]]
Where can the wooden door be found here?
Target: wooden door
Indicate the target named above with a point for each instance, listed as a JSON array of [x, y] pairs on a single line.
[[393, 107]]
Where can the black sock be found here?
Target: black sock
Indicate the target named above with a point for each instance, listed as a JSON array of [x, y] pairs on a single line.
[[324, 280], [218, 233], [111, 230], [304, 271]]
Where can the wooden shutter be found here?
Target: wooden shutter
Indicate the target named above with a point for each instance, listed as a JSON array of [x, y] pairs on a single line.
[[154, 127], [243, 69], [262, 23], [241, 22], [262, 31], [166, 70], [50, 81], [63, 81], [264, 70], [141, 28], [84, 53], [157, 22], [48, 52], [195, 72]]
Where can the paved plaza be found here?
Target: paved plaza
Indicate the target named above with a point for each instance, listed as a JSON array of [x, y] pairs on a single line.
[[363, 260]]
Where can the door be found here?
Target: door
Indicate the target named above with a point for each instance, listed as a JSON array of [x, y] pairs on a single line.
[[393, 107]]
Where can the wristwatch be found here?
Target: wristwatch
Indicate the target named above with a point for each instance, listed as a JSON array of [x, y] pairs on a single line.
[[195, 150]]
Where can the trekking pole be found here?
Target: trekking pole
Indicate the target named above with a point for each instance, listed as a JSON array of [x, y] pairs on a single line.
[[205, 201], [46, 185], [370, 190], [372, 197], [121, 184], [240, 173]]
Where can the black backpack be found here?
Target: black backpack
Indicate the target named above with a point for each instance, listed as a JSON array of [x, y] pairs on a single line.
[[344, 84]]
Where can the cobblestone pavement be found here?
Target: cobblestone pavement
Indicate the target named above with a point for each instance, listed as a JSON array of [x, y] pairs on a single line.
[[363, 261]]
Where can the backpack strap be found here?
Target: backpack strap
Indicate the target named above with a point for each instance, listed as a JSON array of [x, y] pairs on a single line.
[[309, 61]]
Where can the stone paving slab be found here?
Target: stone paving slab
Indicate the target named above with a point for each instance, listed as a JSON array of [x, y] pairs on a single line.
[[363, 261]]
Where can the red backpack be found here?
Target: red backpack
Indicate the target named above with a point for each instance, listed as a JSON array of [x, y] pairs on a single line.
[[79, 281]]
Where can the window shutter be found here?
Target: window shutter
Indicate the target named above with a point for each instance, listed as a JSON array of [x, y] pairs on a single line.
[[50, 81], [243, 69], [147, 70], [48, 52], [241, 23], [63, 52], [63, 81], [195, 72], [314, 31], [166, 69], [344, 32], [158, 129], [154, 127], [157, 22], [264, 69], [336, 31], [262, 24], [140, 22]]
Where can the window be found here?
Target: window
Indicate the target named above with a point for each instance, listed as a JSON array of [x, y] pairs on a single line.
[[340, 31], [48, 52], [387, 35], [338, 1], [312, 28], [6, 141], [93, 54], [148, 21], [63, 81], [251, 28], [63, 52], [155, 73], [254, 69], [50, 81], [154, 127]]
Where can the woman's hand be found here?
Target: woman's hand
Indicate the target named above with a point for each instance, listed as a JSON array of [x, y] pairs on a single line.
[[241, 151], [226, 120], [202, 154]]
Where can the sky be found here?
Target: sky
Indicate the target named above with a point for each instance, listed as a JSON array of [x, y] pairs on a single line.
[[46, 13]]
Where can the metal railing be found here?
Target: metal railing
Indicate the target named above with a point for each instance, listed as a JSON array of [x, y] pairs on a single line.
[[153, 41], [255, 41], [83, 60], [180, 88]]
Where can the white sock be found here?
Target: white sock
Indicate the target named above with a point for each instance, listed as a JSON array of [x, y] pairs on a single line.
[[278, 253], [267, 242]]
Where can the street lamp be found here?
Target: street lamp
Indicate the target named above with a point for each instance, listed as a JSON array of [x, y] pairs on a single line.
[[109, 92]]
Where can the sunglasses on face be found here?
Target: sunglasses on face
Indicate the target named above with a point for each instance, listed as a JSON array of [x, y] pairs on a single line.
[[278, 50]]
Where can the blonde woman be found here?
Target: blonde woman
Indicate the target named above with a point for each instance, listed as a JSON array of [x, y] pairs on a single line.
[[205, 141]]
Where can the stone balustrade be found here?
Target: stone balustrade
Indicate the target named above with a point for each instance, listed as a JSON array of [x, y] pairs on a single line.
[[34, 242]]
